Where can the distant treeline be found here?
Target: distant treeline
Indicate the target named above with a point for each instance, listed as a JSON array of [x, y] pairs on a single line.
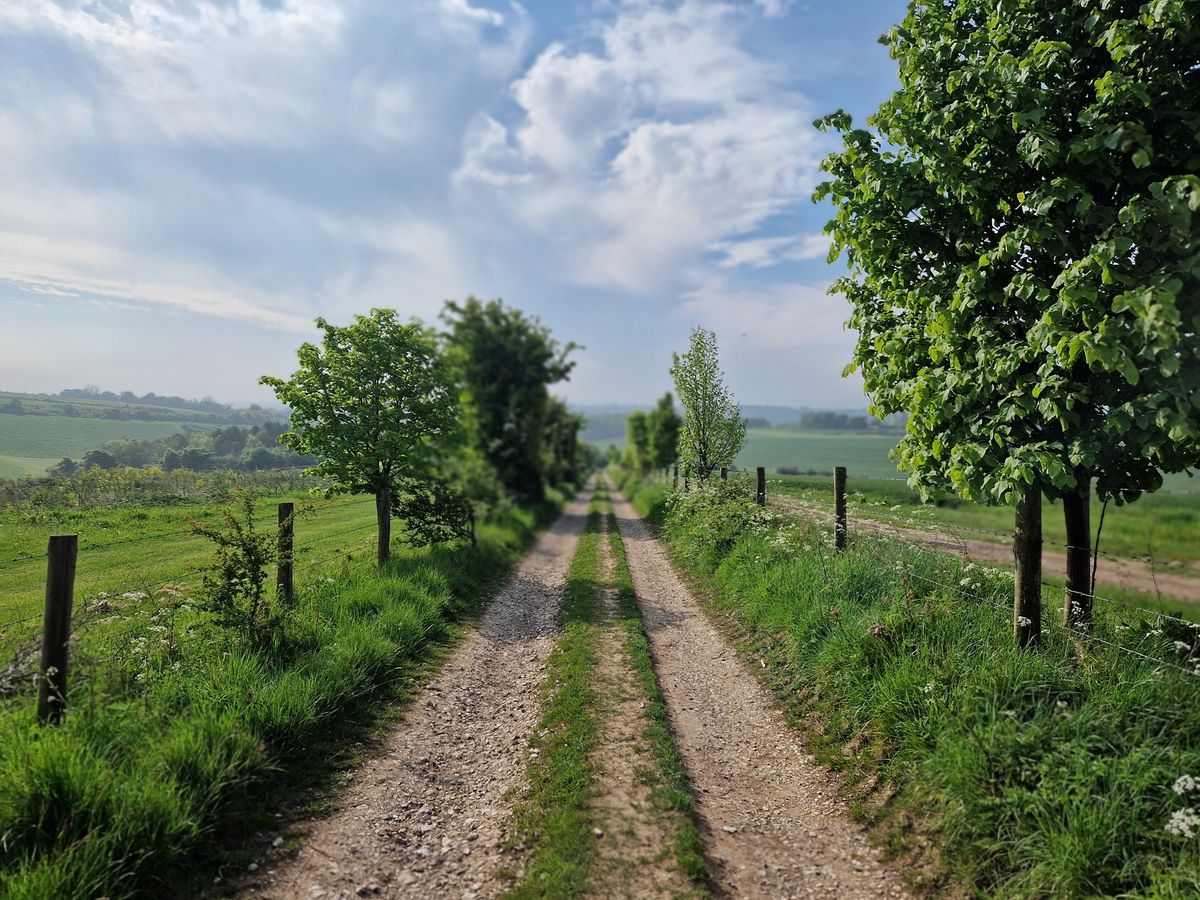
[[93, 403], [828, 420], [605, 427], [251, 449]]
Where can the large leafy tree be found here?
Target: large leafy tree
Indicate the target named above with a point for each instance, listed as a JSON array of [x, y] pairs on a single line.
[[1021, 226], [376, 403], [713, 428], [663, 425], [506, 362], [637, 440], [561, 450]]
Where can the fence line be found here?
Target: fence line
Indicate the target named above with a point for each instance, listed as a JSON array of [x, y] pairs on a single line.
[[134, 605]]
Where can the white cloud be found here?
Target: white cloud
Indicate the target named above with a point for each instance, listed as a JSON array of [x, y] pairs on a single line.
[[761, 253], [249, 162], [635, 151], [774, 9]]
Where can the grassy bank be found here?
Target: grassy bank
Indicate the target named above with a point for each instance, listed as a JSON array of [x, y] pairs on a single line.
[[180, 732], [1055, 773]]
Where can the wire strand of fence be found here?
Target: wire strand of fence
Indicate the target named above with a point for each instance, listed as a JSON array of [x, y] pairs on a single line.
[[1072, 632], [21, 621], [1096, 598]]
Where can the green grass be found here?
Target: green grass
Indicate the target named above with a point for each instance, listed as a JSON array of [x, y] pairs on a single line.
[[1032, 774], [178, 739], [145, 548], [554, 819], [670, 789], [53, 437]]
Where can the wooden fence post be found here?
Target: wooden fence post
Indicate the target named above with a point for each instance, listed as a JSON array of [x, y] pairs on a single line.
[[760, 493], [675, 479], [1027, 579], [284, 587], [724, 473], [839, 507], [56, 627]]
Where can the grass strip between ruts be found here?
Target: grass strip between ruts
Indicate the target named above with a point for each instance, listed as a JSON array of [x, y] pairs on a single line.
[[554, 819], [671, 790]]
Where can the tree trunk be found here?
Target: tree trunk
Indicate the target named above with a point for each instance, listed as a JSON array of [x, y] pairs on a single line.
[[383, 517], [1027, 578], [1077, 604]]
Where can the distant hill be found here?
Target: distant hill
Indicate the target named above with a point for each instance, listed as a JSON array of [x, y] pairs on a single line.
[[38, 430]]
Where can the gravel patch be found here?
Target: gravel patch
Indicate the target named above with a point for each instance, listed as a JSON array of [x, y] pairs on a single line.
[[429, 815]]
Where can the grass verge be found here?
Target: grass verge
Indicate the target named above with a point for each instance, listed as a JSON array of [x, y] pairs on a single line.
[[184, 737], [554, 818], [1065, 772]]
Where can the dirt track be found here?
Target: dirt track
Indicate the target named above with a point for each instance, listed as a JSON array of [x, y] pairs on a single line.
[[427, 817], [770, 816]]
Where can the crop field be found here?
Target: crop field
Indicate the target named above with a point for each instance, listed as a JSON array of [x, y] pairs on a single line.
[[29, 445], [818, 451], [863, 455]]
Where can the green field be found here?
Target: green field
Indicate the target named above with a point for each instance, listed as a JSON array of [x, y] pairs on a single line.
[[144, 548], [863, 455], [29, 445], [819, 451]]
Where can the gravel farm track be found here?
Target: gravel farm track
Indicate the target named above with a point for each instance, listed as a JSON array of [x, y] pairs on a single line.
[[428, 814]]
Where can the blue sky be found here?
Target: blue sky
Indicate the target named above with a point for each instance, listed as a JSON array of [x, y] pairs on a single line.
[[185, 185]]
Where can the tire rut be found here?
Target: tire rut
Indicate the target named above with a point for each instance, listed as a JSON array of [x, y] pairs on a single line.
[[770, 816], [427, 816]]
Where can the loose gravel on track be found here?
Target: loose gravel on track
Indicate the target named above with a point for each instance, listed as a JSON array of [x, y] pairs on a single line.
[[770, 815], [427, 817]]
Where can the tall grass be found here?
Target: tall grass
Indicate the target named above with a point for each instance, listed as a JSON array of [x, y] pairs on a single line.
[[158, 765], [1033, 774]]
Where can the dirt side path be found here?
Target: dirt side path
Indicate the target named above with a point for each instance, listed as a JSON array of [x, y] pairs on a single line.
[[771, 820], [428, 815], [1120, 572]]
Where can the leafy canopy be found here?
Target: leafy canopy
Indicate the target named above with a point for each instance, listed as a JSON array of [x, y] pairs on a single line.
[[1021, 227], [713, 428], [375, 402], [663, 425], [506, 362]]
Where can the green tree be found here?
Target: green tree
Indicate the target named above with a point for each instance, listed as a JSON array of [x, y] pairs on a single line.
[[376, 404], [561, 453], [663, 425], [506, 362], [1021, 228], [713, 428], [637, 443]]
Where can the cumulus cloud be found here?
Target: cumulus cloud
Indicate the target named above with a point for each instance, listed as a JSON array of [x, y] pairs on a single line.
[[246, 160], [638, 148]]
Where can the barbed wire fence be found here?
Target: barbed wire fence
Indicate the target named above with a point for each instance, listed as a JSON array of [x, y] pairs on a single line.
[[1170, 649]]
